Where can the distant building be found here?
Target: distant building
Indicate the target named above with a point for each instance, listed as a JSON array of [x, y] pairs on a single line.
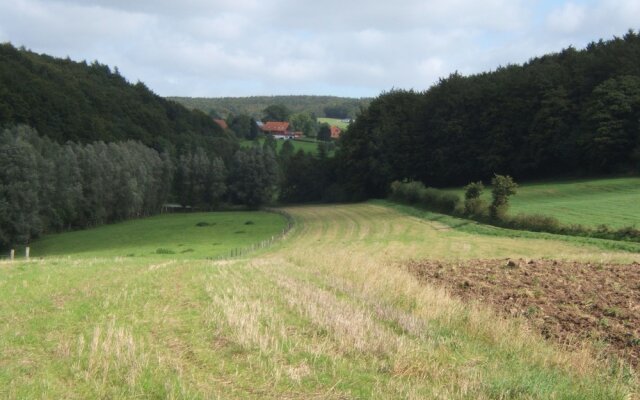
[[279, 130], [221, 123], [335, 132]]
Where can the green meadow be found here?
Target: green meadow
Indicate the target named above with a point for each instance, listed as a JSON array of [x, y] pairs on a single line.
[[306, 145], [613, 201], [189, 235], [334, 122]]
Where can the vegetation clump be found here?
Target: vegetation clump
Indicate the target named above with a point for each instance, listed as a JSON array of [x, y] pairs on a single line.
[[502, 187], [163, 250]]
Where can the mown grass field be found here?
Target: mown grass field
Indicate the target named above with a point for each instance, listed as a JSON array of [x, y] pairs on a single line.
[[614, 201], [326, 313], [334, 122]]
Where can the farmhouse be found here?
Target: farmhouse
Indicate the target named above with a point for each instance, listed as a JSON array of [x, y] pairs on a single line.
[[335, 132], [279, 130], [221, 123]]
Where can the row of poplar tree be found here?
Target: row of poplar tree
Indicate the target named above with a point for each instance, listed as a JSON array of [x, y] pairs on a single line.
[[47, 187]]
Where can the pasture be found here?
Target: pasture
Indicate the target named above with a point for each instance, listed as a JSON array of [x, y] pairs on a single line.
[[327, 312], [306, 145], [590, 202], [334, 122], [189, 235]]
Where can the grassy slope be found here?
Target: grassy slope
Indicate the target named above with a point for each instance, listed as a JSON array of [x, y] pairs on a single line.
[[306, 146], [326, 314], [176, 233], [614, 201], [336, 122]]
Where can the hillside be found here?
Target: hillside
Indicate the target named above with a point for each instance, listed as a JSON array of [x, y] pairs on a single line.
[[572, 113], [66, 100], [253, 106], [588, 202]]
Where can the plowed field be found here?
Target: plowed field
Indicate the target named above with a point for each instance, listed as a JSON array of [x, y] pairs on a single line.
[[566, 301]]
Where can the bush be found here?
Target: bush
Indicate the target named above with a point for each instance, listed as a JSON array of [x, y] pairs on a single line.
[[430, 198], [502, 188], [535, 222]]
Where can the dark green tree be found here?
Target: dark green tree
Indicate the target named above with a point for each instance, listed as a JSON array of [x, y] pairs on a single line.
[[324, 132], [276, 112], [473, 204], [502, 187], [19, 204]]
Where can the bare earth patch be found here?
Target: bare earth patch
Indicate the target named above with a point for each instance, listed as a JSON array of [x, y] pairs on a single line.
[[564, 300]]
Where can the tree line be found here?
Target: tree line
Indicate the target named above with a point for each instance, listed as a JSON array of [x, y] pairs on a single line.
[[576, 112], [47, 187], [320, 106]]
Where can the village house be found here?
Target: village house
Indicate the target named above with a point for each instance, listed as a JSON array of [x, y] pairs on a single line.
[[221, 123], [335, 132], [279, 130]]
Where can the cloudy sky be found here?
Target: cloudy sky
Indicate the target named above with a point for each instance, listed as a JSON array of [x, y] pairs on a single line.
[[349, 48]]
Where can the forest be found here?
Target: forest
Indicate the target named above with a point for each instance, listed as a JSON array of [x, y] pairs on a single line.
[[573, 113], [85, 102], [319, 106]]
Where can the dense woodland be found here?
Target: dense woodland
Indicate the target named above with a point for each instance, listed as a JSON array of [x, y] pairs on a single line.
[[565, 114], [86, 102], [320, 106]]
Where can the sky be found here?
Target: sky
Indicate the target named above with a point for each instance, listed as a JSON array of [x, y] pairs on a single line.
[[352, 48]]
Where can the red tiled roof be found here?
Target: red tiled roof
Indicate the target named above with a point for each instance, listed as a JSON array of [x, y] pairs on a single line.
[[274, 126], [222, 123], [335, 132]]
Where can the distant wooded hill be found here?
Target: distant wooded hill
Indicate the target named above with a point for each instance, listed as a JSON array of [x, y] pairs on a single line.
[[576, 112], [321, 106], [85, 102]]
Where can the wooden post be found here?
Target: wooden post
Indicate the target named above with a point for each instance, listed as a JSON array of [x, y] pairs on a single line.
[[26, 252], [13, 254]]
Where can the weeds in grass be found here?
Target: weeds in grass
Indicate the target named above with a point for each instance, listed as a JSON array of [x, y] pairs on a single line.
[[163, 250]]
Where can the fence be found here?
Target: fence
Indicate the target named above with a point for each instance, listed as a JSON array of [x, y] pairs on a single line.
[[243, 251], [12, 254]]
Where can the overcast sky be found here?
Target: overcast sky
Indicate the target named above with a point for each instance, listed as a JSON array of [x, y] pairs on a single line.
[[349, 48]]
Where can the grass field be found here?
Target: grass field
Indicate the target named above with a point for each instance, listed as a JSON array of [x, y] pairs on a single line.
[[166, 234], [308, 145], [334, 122], [326, 313], [614, 201]]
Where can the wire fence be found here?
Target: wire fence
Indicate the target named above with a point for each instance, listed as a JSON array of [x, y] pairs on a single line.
[[243, 251]]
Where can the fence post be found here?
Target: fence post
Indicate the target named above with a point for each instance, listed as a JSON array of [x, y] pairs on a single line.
[[26, 252], [13, 254]]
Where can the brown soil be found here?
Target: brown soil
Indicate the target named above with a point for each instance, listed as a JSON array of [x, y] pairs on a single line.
[[563, 300]]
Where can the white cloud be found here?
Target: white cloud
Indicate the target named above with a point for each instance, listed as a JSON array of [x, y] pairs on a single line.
[[245, 47], [567, 19]]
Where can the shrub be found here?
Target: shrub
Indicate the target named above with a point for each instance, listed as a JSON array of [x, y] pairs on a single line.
[[535, 222], [430, 198], [503, 187]]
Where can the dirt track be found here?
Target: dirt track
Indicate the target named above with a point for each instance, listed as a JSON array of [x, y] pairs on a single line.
[[563, 300]]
